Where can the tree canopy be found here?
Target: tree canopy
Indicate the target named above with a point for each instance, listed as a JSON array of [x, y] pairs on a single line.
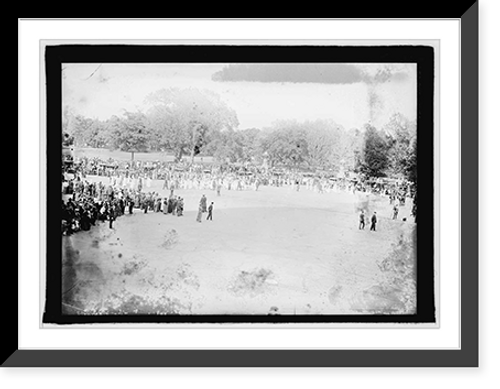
[[129, 133], [375, 149], [188, 122], [401, 135], [185, 120]]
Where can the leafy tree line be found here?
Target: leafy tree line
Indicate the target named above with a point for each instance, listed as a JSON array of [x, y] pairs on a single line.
[[182, 121], [189, 122], [390, 151]]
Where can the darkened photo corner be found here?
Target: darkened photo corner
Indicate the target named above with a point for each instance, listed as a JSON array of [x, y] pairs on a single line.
[[224, 184]]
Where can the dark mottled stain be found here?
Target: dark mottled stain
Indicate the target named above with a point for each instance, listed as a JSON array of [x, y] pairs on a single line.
[[77, 277]]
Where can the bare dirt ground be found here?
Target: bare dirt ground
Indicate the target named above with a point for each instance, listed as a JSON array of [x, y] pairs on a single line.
[[269, 251]]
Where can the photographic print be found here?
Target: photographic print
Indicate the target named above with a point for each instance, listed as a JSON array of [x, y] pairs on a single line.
[[277, 191]]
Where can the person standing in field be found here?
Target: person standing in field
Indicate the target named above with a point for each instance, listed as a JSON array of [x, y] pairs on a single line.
[[174, 205], [170, 202], [374, 222], [180, 206], [200, 211], [210, 209], [130, 204], [395, 210], [145, 204], [111, 215], [203, 204], [362, 220]]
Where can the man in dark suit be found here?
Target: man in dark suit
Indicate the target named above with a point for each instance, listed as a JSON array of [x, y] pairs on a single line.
[[210, 209], [374, 222], [158, 204], [145, 203], [362, 220], [111, 215], [170, 204]]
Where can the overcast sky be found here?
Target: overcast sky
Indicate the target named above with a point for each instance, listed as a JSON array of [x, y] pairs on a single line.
[[260, 94]]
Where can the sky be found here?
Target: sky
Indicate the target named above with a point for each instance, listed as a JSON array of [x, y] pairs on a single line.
[[349, 94]]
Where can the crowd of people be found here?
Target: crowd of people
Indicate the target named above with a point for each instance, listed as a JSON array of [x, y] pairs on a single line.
[[85, 203], [126, 185], [180, 175]]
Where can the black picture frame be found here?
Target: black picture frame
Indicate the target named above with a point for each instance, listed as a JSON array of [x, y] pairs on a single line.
[[466, 356]]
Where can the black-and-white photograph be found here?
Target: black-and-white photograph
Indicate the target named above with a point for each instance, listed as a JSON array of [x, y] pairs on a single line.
[[239, 189]]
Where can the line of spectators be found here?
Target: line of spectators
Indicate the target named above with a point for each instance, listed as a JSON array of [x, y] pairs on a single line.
[[139, 174], [129, 181], [86, 203]]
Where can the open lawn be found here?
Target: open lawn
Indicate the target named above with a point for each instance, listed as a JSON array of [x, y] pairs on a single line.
[[273, 250]]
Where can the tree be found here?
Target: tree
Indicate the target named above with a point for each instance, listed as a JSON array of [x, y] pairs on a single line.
[[411, 166], [318, 144], [223, 147], [286, 144], [129, 133], [68, 116], [321, 144], [355, 143], [235, 146], [328, 144], [248, 142], [185, 120], [401, 133], [87, 132], [80, 128], [375, 153]]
